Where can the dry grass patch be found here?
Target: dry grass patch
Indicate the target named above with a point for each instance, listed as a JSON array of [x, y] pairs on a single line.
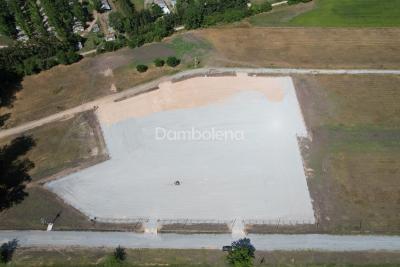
[[355, 151], [304, 47], [64, 144], [61, 147]]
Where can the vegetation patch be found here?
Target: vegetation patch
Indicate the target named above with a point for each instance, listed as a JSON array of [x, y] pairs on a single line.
[[351, 13]]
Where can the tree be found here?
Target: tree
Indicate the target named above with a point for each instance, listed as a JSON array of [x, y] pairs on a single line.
[[173, 62], [159, 62], [127, 8], [7, 21], [68, 57], [7, 250], [96, 5], [142, 68], [77, 10], [36, 18], [117, 21], [242, 253], [120, 254], [18, 9], [14, 171]]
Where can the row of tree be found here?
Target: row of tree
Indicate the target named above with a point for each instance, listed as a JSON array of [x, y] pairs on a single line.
[[38, 19], [143, 26], [152, 25]]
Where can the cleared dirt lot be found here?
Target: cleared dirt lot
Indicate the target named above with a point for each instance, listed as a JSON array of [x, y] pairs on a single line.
[[258, 120], [304, 47], [355, 151]]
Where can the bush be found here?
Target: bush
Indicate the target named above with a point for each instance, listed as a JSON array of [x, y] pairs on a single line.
[[120, 254], [7, 250], [142, 68], [294, 2], [173, 62], [260, 8], [159, 62], [68, 57], [242, 253]]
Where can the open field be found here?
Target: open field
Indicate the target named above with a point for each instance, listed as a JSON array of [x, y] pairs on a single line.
[[355, 151], [64, 87], [161, 257], [261, 112], [304, 48], [351, 13], [332, 13], [280, 15]]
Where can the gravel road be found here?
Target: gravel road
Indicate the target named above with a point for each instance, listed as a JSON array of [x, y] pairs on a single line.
[[207, 241]]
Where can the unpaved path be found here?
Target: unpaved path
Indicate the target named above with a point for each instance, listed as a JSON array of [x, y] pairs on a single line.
[[204, 71], [201, 241]]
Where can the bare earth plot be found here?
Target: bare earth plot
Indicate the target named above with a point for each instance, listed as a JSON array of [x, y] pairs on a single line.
[[257, 175]]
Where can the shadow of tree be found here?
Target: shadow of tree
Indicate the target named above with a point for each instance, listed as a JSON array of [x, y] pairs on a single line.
[[14, 171], [4, 118], [10, 83]]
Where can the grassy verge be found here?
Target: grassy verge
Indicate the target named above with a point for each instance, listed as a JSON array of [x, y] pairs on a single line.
[[171, 257]]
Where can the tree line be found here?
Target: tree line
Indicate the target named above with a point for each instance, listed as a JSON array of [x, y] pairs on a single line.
[[139, 27], [40, 19]]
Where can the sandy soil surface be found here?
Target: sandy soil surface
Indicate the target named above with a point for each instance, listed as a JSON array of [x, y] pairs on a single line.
[[258, 175], [191, 93]]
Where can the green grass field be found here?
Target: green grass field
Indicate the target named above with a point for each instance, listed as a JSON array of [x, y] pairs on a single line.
[[333, 13], [351, 13]]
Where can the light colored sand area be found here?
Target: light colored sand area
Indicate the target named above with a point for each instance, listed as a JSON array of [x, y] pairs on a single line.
[[195, 92], [258, 177]]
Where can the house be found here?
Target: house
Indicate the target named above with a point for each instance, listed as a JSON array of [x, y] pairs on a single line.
[[105, 5]]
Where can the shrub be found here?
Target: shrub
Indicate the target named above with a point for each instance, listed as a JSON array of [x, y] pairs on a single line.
[[119, 253], [173, 62], [159, 62], [142, 68], [7, 250], [260, 8], [294, 2], [242, 253]]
